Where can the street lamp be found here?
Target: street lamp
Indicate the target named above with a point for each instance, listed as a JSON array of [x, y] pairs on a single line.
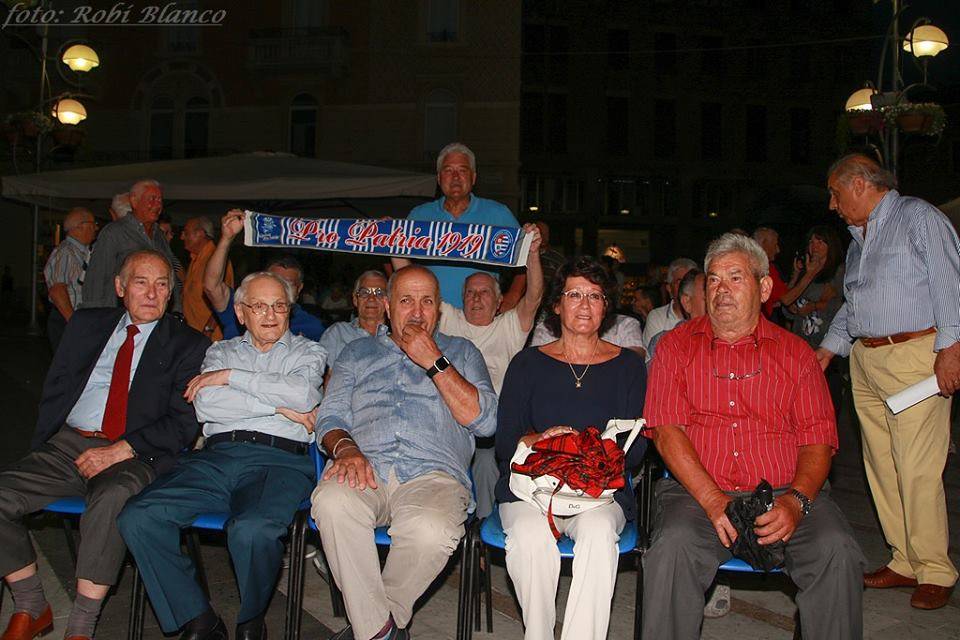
[[69, 111], [80, 57], [923, 41]]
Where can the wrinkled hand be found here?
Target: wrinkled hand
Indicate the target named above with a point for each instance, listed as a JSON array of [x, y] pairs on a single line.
[[218, 378], [532, 438], [307, 420], [717, 513], [231, 224], [352, 467], [533, 231], [824, 356], [93, 461], [780, 522], [947, 369], [419, 345]]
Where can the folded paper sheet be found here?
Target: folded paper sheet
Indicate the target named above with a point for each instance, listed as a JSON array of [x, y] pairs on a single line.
[[913, 394]]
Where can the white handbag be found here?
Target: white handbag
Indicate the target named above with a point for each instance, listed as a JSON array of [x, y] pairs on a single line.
[[540, 490]]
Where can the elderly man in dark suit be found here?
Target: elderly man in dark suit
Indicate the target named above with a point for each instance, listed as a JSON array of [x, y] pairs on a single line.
[[112, 416]]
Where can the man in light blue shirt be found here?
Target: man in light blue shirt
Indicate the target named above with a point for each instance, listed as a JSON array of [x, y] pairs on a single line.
[[369, 293], [398, 423], [902, 314], [456, 175], [256, 396]]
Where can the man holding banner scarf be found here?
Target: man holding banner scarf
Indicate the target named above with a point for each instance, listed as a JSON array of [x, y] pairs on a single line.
[[456, 175]]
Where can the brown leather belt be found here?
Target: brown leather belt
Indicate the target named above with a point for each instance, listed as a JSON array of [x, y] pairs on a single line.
[[896, 338], [88, 434]]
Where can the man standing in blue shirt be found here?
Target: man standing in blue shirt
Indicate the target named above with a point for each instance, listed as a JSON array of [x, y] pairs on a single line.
[[900, 324], [456, 175], [220, 294]]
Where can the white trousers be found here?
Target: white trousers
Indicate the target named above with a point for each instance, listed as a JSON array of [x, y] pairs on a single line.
[[426, 518], [533, 562]]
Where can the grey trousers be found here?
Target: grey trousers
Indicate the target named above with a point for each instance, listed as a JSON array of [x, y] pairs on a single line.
[[49, 474], [822, 558]]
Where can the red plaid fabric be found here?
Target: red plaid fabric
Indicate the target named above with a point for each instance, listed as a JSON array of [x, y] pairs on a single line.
[[583, 461]]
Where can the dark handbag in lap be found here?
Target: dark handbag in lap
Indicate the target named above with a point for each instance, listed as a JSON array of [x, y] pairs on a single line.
[[742, 512]]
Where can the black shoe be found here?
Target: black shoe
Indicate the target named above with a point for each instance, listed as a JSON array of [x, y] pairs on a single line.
[[344, 634], [255, 629], [217, 632], [402, 634]]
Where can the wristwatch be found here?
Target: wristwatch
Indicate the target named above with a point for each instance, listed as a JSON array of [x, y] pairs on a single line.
[[440, 365], [805, 503]]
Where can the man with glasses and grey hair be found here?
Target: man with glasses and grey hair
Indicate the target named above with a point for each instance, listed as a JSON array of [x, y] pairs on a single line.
[[734, 399], [900, 324], [369, 299], [671, 314], [456, 175], [257, 397]]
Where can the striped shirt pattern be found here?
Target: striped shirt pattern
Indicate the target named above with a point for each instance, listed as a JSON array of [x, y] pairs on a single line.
[[902, 275], [749, 426], [67, 265]]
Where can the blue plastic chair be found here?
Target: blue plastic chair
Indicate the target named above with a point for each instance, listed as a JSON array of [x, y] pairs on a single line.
[[382, 539], [490, 534]]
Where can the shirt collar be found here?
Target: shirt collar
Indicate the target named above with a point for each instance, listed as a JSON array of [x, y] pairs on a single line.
[[763, 331], [145, 329], [76, 243], [881, 211], [284, 339], [470, 207], [381, 328]]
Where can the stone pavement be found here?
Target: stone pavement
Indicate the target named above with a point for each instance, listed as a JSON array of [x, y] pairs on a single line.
[[763, 608]]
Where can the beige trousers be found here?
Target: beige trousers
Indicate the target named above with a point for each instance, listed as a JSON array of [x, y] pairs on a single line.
[[533, 562], [426, 517], [904, 456]]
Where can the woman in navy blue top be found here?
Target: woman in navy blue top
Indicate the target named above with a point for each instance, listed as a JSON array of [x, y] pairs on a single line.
[[565, 386]]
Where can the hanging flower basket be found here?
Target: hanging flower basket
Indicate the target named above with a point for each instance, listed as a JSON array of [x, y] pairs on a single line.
[[864, 122], [924, 118], [68, 136], [30, 123]]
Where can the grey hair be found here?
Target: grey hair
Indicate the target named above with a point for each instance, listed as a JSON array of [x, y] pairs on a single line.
[[74, 218], [457, 147], [680, 264], [858, 165], [241, 294], [734, 243], [417, 267], [121, 204], [764, 232], [496, 284], [124, 272], [689, 281], [207, 225], [140, 185], [369, 273]]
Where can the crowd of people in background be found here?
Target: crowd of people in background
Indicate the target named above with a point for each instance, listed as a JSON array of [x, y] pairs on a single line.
[[419, 380]]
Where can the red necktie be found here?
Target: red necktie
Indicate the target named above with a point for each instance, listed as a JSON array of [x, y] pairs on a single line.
[[115, 413]]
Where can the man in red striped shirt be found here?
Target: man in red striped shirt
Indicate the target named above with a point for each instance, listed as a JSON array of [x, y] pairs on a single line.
[[734, 399]]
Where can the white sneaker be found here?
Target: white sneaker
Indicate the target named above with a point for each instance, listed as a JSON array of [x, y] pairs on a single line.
[[719, 603], [320, 564]]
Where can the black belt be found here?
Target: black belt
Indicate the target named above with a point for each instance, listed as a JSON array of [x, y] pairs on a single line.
[[256, 437]]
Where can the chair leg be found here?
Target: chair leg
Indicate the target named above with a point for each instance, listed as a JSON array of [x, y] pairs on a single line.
[[488, 586], [137, 605], [638, 604], [336, 599], [71, 539], [462, 587], [294, 610], [192, 538]]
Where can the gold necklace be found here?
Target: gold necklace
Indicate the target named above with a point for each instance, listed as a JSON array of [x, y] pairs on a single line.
[[579, 378]]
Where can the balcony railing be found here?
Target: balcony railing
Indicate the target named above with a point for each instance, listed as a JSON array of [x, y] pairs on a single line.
[[322, 50]]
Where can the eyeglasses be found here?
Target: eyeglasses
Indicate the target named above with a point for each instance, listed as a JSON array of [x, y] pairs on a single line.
[[260, 308], [731, 375], [576, 296], [370, 292]]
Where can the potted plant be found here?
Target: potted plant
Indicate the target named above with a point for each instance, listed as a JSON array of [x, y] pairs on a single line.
[[864, 121], [33, 123], [925, 118]]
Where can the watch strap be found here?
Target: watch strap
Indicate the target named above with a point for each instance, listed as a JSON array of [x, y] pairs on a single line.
[[805, 503], [440, 365]]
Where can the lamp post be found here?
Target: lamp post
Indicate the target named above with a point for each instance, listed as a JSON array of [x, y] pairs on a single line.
[[923, 41], [80, 58]]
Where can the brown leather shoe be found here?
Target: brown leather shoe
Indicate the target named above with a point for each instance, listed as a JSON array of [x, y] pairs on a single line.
[[930, 596], [885, 578], [23, 627]]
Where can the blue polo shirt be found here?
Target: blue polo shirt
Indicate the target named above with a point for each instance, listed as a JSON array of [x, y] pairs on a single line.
[[301, 323], [480, 211]]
